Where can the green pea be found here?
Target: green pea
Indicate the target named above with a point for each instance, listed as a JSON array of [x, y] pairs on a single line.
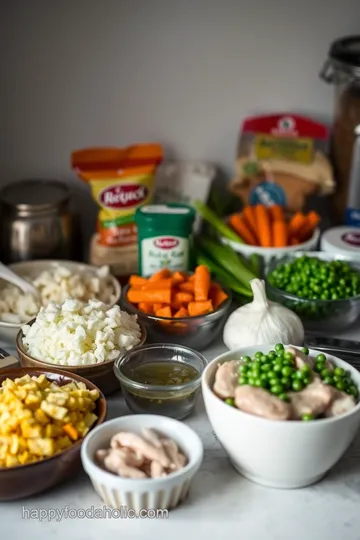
[[264, 359], [244, 368], [339, 371], [286, 382], [305, 369], [326, 373], [243, 380], [277, 389], [230, 401], [266, 368], [298, 374], [340, 385], [283, 397], [306, 380], [271, 355], [307, 417], [321, 357], [286, 371], [279, 347], [289, 356], [353, 390], [305, 350], [277, 368], [328, 380], [258, 383], [246, 359], [297, 386]]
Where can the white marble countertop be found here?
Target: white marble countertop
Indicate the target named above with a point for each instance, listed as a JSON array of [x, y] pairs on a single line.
[[221, 503]]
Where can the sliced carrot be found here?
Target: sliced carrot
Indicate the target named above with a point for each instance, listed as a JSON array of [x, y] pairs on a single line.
[[159, 284], [200, 308], [250, 220], [157, 306], [237, 223], [71, 431], [146, 308], [296, 223], [135, 296], [312, 221], [182, 312], [280, 233], [137, 281], [201, 283], [179, 277], [164, 273], [263, 225], [217, 295], [164, 312], [187, 286], [183, 297], [276, 212]]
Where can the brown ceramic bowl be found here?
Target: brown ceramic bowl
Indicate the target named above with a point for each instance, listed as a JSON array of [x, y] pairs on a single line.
[[102, 375], [27, 480]]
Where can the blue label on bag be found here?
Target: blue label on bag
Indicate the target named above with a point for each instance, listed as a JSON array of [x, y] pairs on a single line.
[[352, 217], [268, 194]]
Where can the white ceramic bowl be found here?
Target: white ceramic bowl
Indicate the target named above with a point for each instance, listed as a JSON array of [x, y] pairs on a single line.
[[268, 254], [286, 454], [9, 331], [150, 493]]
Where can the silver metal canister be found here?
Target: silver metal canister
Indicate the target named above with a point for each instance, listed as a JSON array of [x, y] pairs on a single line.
[[36, 222]]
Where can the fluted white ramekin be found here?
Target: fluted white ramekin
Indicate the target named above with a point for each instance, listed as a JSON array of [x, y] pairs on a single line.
[[150, 493]]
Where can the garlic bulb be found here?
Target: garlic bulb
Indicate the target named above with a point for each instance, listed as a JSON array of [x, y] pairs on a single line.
[[262, 322]]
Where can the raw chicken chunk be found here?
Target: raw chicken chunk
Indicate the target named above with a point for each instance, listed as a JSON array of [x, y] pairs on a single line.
[[314, 399], [226, 379], [341, 404], [261, 403]]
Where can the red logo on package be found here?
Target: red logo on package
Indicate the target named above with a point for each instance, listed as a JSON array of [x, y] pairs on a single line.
[[166, 243], [124, 196]]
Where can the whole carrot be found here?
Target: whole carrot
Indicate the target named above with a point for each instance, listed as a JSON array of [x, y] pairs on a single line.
[[237, 223], [250, 220], [201, 283], [312, 221], [280, 233], [263, 225], [296, 223], [276, 212]]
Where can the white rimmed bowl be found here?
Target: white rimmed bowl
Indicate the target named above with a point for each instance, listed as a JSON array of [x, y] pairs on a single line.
[[9, 331], [278, 454], [268, 254], [151, 493]]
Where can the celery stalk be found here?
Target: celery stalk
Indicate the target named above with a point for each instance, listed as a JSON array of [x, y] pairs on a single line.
[[228, 259], [223, 276], [208, 215]]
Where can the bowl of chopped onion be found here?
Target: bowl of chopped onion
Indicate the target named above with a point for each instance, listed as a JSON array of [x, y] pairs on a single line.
[[85, 339]]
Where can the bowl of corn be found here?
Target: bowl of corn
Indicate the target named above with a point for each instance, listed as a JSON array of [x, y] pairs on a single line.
[[44, 416]]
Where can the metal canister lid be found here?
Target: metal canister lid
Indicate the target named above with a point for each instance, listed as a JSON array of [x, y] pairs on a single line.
[[35, 195], [344, 56], [342, 241]]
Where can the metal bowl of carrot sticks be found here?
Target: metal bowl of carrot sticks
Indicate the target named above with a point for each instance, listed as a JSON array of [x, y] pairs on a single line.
[[177, 307], [267, 231]]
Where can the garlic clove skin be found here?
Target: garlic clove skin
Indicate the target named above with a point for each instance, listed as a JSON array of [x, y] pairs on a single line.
[[262, 322]]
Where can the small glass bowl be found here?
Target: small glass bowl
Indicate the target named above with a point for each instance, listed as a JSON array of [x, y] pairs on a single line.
[[174, 401], [317, 315], [195, 332]]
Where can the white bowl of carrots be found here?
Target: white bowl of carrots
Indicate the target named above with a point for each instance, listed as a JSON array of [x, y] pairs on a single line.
[[178, 307], [268, 232]]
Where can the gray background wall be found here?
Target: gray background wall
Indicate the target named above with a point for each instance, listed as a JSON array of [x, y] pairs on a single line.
[[185, 73]]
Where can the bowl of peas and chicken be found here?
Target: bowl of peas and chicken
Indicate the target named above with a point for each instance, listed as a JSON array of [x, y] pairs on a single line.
[[284, 415]]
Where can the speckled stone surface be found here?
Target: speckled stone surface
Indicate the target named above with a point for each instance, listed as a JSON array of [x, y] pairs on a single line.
[[221, 503]]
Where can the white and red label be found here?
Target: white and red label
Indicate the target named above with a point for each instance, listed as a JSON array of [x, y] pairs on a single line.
[[124, 196]]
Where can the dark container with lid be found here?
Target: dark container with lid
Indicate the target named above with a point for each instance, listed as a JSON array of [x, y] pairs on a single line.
[[36, 221], [342, 69]]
